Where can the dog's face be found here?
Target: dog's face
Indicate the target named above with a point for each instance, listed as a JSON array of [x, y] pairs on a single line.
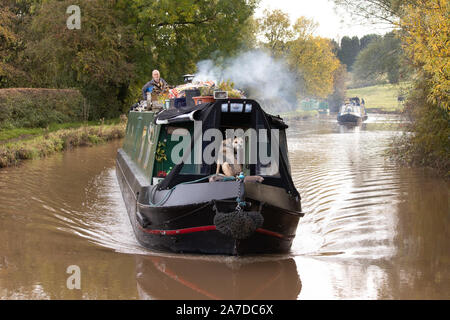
[[238, 143], [233, 146]]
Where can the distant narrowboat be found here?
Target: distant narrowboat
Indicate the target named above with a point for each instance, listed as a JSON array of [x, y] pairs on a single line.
[[352, 111]]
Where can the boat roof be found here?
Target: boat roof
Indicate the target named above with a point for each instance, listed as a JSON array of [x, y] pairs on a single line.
[[202, 111]]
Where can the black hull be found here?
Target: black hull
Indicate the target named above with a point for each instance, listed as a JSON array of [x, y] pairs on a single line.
[[190, 228], [204, 237], [349, 118]]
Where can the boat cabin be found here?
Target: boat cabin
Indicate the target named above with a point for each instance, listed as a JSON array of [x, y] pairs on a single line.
[[349, 108], [172, 146]]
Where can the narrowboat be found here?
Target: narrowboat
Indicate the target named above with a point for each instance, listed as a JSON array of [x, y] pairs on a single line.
[[353, 111], [178, 202]]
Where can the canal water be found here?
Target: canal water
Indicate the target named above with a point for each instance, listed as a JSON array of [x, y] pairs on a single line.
[[372, 230]]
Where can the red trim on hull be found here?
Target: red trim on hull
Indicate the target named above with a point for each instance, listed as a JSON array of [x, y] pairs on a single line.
[[179, 231], [270, 233], [202, 228]]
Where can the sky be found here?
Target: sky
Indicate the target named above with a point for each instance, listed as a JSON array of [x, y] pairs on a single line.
[[331, 24]]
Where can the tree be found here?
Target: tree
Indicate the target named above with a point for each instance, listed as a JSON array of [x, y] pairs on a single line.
[[381, 58], [334, 47], [249, 32], [426, 29], [8, 41], [310, 58], [122, 41], [349, 50], [425, 32], [13, 22], [174, 35], [96, 59], [314, 61], [276, 29], [304, 28], [376, 11], [367, 39], [336, 99]]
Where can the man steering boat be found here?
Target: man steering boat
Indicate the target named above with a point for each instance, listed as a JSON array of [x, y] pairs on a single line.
[[157, 85]]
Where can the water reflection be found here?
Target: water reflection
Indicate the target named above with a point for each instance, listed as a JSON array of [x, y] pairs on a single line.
[[341, 279], [160, 277], [350, 127]]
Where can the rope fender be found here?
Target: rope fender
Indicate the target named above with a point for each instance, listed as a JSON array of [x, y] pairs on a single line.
[[238, 224]]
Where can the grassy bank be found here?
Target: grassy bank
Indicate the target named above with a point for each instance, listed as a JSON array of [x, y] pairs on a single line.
[[380, 98], [14, 134], [42, 145]]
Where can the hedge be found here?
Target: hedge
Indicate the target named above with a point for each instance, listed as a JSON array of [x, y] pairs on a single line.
[[31, 108]]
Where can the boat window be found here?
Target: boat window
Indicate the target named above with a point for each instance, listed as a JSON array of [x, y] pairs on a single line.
[[284, 149], [267, 163], [251, 127], [262, 153], [173, 141]]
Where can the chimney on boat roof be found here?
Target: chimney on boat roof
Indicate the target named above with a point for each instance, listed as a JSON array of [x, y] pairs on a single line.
[[188, 78]]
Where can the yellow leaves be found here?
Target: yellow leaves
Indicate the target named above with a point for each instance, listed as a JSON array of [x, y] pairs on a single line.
[[427, 44], [275, 27], [7, 35], [315, 61], [304, 27], [312, 57]]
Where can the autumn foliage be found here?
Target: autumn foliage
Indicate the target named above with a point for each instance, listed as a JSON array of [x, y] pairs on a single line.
[[310, 57], [426, 36], [424, 29], [119, 44]]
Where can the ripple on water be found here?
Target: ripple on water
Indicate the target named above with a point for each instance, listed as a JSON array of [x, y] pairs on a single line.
[[348, 192]]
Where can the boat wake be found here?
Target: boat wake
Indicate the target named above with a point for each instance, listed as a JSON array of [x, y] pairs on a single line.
[[349, 196]]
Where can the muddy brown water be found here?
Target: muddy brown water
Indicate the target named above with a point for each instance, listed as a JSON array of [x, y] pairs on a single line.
[[372, 230]]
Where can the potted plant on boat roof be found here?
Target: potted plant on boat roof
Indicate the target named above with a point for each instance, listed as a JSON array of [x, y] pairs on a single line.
[[228, 86], [206, 95]]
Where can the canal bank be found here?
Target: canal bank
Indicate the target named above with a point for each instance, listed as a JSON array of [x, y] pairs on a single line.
[[45, 143], [299, 114]]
